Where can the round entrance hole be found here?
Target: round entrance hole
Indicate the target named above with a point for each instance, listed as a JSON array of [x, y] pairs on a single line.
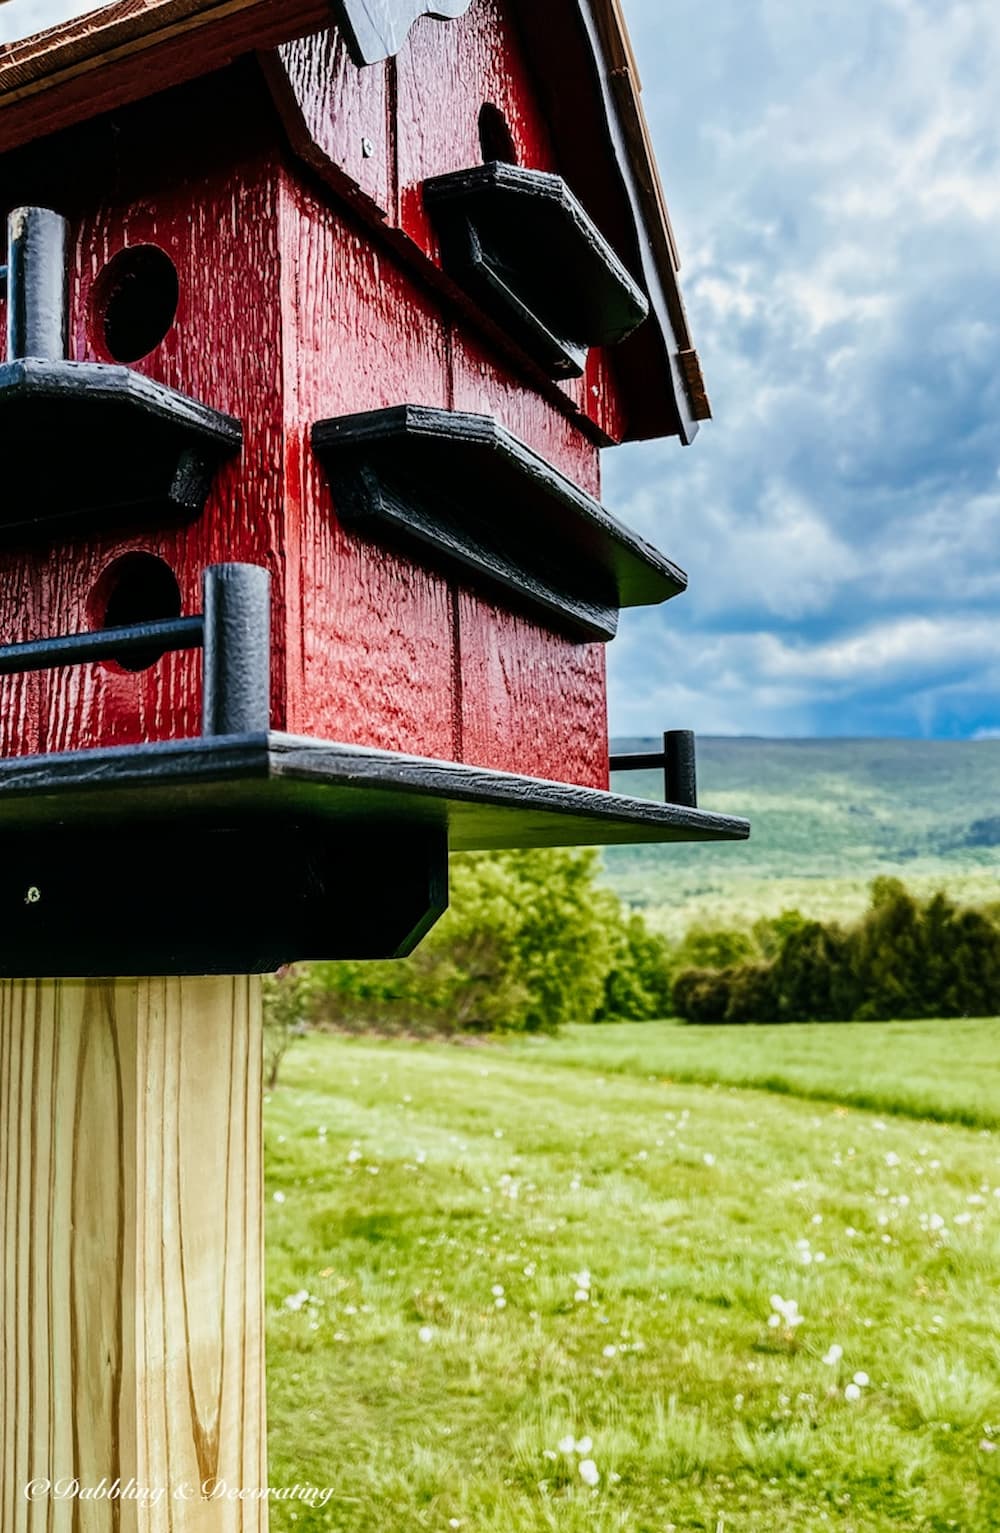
[[495, 137], [137, 588], [134, 301]]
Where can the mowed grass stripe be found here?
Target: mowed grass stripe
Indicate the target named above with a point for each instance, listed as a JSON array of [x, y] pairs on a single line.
[[942, 1071], [638, 1229]]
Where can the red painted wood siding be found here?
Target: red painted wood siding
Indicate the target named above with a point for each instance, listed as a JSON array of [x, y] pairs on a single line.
[[395, 654], [223, 349], [377, 134], [292, 309]]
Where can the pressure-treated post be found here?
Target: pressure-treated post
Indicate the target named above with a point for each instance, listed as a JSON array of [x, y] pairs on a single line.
[[131, 1310]]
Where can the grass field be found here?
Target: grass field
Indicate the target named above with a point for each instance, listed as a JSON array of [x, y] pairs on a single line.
[[478, 1254]]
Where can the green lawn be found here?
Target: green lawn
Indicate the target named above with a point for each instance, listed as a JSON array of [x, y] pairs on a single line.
[[507, 1247]]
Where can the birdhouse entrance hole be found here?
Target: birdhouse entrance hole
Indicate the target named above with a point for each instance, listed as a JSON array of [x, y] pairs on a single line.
[[138, 588], [495, 137], [134, 302]]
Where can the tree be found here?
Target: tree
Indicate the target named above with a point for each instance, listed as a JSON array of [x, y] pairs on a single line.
[[288, 997], [637, 986]]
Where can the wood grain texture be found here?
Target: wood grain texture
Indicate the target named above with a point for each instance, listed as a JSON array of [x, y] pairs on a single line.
[[131, 1328], [338, 118], [445, 76], [213, 210], [375, 662]]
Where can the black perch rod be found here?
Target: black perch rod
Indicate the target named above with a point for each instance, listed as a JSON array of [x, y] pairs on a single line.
[[36, 284], [680, 772], [237, 688]]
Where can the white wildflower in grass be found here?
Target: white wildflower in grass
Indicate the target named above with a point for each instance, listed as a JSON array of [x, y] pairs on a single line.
[[834, 1355], [426, 1334], [610, 1351], [963, 1218], [862, 1380], [353, 1156], [892, 1159], [852, 1392], [935, 1222], [295, 1301], [589, 1473], [279, 1197], [708, 1158], [500, 1303], [497, 1290], [584, 1445], [567, 1444], [817, 1218], [786, 1310]]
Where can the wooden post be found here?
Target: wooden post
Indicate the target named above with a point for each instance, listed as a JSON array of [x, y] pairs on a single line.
[[131, 1307]]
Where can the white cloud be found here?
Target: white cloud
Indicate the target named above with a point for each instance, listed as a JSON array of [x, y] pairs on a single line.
[[835, 184]]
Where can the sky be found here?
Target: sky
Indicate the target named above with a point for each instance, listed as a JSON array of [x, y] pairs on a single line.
[[833, 173]]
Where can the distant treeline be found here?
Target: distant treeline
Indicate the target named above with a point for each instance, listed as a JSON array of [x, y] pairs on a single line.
[[904, 959], [533, 941]]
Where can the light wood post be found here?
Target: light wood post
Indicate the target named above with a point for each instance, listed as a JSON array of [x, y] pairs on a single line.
[[131, 1254]]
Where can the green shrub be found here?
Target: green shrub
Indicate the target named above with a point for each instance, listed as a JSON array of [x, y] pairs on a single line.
[[637, 986], [903, 960], [702, 995]]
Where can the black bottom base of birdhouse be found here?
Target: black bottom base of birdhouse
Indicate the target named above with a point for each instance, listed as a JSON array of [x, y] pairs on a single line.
[[240, 854], [202, 898]]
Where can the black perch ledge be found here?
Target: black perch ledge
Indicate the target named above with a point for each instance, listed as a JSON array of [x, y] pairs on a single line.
[[93, 444], [465, 492], [522, 245], [97, 444]]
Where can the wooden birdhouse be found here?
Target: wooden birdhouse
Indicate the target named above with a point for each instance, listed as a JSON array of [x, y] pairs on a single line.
[[318, 322]]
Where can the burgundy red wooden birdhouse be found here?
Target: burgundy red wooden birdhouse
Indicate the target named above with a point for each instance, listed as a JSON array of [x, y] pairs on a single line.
[[318, 322]]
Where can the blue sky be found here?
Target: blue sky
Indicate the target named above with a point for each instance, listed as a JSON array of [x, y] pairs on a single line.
[[833, 171]]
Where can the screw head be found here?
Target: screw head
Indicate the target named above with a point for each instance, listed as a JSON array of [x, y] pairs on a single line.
[[367, 148]]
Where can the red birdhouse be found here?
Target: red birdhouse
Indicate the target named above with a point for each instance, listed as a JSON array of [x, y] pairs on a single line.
[[317, 326]]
